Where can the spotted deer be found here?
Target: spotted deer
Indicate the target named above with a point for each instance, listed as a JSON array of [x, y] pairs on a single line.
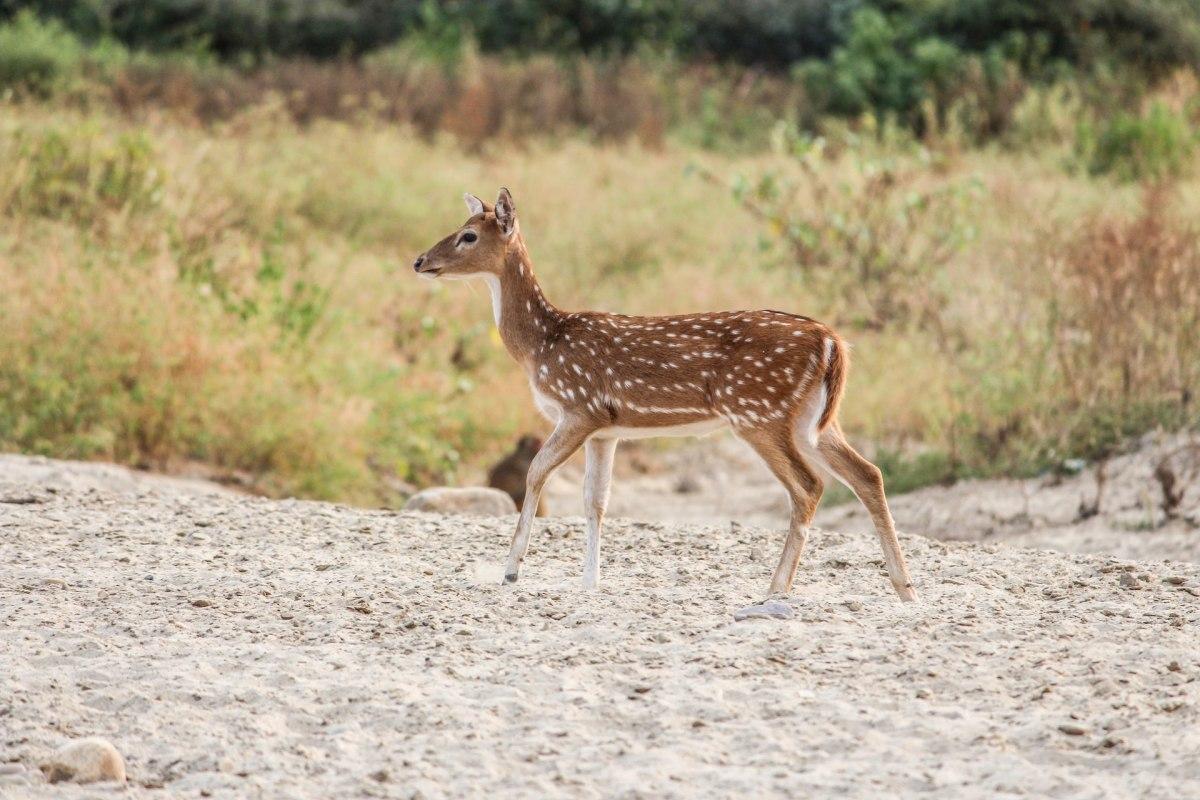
[[775, 378]]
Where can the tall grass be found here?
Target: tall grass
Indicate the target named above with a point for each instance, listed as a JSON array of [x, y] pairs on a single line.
[[209, 264], [242, 297]]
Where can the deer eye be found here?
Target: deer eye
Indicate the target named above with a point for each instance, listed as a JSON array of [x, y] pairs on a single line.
[[468, 237]]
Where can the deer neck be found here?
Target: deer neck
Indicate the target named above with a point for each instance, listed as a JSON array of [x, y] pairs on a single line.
[[524, 316]]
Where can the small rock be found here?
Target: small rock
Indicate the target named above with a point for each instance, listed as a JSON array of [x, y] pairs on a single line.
[[1130, 581], [1175, 580], [54, 583], [85, 761], [380, 776], [201, 602], [1071, 729], [476, 501], [772, 609], [687, 485], [662, 638], [1174, 666], [360, 605], [756, 554], [854, 605]]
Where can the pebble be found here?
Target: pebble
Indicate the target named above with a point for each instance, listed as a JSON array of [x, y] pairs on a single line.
[[85, 761], [201, 602], [1071, 729], [1130, 581]]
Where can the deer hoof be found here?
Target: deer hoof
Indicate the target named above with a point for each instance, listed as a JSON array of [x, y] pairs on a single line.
[[510, 577]]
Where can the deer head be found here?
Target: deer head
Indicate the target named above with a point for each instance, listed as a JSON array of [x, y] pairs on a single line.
[[478, 248]]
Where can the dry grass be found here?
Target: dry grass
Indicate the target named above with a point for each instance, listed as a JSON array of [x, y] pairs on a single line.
[[239, 293], [477, 99]]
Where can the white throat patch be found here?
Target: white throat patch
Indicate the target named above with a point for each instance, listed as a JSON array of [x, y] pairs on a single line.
[[493, 284]]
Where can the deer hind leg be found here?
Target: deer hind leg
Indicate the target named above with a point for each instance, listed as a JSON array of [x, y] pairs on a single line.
[[866, 481], [804, 487], [596, 485], [565, 440]]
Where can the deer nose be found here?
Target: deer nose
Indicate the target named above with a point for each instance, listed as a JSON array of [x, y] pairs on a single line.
[[417, 264]]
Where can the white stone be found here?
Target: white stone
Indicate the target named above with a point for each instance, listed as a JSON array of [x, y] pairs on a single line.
[[479, 501], [85, 761]]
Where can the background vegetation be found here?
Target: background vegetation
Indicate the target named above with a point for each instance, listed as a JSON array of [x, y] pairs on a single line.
[[207, 212]]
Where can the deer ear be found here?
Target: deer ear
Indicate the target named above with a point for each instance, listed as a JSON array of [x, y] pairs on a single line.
[[474, 204], [506, 213]]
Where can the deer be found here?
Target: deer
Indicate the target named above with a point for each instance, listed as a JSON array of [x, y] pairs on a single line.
[[775, 379], [509, 474]]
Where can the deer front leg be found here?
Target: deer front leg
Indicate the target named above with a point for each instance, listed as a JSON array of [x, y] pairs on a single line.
[[567, 437], [597, 481]]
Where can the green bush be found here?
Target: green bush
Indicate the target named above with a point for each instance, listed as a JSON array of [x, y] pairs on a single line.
[[78, 173], [1132, 147], [1154, 34], [36, 56], [886, 67]]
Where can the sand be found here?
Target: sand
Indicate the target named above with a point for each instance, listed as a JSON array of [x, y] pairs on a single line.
[[245, 648]]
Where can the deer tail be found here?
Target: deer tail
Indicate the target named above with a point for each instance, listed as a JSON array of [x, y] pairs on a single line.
[[837, 365]]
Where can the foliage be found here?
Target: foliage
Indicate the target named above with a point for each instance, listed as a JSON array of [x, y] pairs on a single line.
[[718, 74], [237, 293], [36, 56], [865, 234], [80, 174], [1088, 339], [1157, 144]]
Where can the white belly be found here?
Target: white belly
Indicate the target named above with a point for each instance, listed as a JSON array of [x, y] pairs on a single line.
[[701, 428]]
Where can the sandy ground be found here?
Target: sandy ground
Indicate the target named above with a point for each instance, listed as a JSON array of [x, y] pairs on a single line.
[[243, 648]]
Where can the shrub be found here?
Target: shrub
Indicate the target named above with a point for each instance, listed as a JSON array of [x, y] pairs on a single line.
[[1157, 144], [1126, 306], [865, 235], [77, 173], [37, 56]]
